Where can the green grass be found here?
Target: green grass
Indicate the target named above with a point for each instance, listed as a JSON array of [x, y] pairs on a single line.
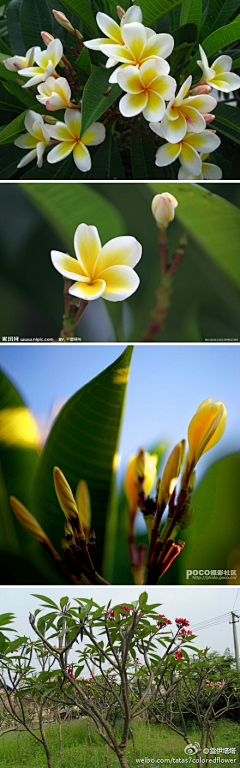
[[79, 753]]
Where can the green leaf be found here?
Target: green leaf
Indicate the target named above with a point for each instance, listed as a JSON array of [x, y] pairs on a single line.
[[12, 130], [46, 600], [15, 38], [143, 598], [84, 62], [95, 102], [212, 543], [191, 12], [154, 9], [8, 102], [219, 11], [83, 443], [107, 163], [143, 153], [35, 16], [16, 643], [24, 96], [82, 9], [228, 121]]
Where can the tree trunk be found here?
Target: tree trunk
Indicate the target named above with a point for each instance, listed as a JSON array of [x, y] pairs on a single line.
[[123, 760], [60, 737]]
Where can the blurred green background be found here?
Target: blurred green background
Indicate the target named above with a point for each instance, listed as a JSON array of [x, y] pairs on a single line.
[[205, 300]]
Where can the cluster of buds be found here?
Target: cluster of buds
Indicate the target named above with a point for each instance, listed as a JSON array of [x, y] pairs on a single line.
[[70, 673], [185, 632], [181, 623], [161, 623], [205, 430], [79, 544], [214, 685], [178, 655]]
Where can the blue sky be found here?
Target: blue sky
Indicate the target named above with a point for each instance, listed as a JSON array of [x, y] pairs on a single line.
[[166, 385]]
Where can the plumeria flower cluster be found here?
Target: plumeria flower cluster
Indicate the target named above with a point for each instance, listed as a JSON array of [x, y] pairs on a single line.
[[138, 57], [143, 73], [161, 623]]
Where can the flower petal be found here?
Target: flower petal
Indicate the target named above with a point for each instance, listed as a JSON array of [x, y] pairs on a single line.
[[132, 14], [67, 266], [125, 250], [207, 141], [174, 130], [87, 247], [60, 152], [155, 108], [158, 45], [211, 171], [157, 128], [129, 79], [27, 158], [88, 291], [25, 141], [73, 121], [34, 81], [133, 103], [135, 37], [30, 119], [96, 43], [109, 27], [226, 82], [82, 158], [222, 64], [94, 135], [203, 103], [121, 282], [190, 159], [195, 121], [114, 76], [164, 85], [118, 52], [41, 146], [54, 51], [183, 91], [60, 132], [167, 154]]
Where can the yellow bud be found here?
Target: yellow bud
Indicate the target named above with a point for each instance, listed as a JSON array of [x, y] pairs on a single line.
[[32, 526], [141, 465], [163, 209], [84, 506], [171, 473], [205, 429], [67, 501], [68, 528]]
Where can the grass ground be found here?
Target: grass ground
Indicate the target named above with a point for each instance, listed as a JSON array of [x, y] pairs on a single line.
[[25, 752]]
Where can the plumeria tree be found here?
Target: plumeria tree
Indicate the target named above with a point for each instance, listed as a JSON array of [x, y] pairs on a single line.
[[126, 661], [153, 78]]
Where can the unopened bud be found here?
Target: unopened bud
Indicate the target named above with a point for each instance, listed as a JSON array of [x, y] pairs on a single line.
[[120, 12], [62, 19], [200, 89], [50, 120], [47, 38], [32, 526], [163, 209], [84, 506], [68, 528], [67, 502], [170, 474], [208, 118]]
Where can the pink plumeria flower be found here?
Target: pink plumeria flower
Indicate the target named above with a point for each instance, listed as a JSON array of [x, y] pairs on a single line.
[[54, 93], [46, 63], [68, 134], [140, 44], [147, 89], [219, 75], [100, 271], [36, 139], [209, 172], [15, 63], [184, 113], [186, 150]]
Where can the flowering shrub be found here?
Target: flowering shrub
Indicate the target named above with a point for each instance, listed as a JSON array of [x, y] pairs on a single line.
[[153, 90]]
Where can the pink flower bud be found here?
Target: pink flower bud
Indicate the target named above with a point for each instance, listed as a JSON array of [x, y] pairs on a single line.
[[62, 19], [199, 89], [208, 118], [120, 12], [47, 38]]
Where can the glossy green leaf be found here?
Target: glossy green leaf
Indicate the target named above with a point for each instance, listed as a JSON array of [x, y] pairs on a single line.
[[83, 10], [143, 153], [66, 206], [15, 38], [12, 130], [26, 97], [212, 542], [228, 121], [35, 16], [154, 9], [191, 12], [219, 11], [83, 443], [107, 163], [95, 101]]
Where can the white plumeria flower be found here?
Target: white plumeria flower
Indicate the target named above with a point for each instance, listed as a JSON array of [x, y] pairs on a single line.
[[55, 93], [184, 114], [219, 75], [209, 172], [114, 31], [187, 150], [106, 272], [163, 209], [47, 61], [68, 134], [21, 62], [146, 90], [140, 44], [37, 139]]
